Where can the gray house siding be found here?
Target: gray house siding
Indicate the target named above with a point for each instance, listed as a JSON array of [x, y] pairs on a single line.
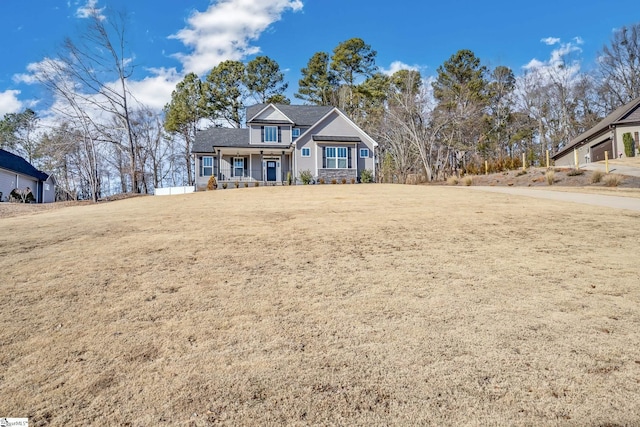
[[49, 191], [306, 163], [633, 130], [7, 183], [284, 133], [334, 126], [10, 180]]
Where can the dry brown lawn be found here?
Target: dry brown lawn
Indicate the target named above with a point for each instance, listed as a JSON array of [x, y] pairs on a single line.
[[322, 305]]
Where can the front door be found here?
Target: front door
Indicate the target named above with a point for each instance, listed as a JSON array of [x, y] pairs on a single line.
[[271, 170]]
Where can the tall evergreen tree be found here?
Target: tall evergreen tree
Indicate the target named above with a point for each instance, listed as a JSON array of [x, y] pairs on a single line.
[[17, 133], [265, 81], [227, 91], [189, 104], [318, 84], [461, 92]]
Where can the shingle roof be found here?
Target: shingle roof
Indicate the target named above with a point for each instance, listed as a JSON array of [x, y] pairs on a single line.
[[301, 115], [621, 115], [17, 164], [220, 137]]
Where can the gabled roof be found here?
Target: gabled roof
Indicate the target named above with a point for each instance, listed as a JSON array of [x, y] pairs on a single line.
[[334, 137], [620, 116], [300, 115], [19, 165]]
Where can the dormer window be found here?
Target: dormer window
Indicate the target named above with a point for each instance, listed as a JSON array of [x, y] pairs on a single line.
[[270, 134]]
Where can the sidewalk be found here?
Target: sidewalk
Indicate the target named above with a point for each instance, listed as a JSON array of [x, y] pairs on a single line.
[[616, 202]]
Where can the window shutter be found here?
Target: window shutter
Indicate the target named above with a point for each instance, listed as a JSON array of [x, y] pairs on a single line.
[[232, 168], [261, 133], [244, 166], [279, 134], [324, 157], [200, 161], [349, 157]]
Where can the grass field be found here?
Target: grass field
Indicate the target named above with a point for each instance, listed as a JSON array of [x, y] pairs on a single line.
[[323, 305]]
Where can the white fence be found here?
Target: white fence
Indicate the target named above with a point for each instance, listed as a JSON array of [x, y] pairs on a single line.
[[172, 191]]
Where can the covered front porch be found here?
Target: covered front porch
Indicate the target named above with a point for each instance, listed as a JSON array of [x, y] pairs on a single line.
[[263, 166]]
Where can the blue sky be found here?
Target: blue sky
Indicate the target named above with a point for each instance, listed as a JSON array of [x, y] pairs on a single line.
[[171, 37]]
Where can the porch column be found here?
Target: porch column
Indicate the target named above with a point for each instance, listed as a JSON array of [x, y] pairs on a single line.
[[261, 166]]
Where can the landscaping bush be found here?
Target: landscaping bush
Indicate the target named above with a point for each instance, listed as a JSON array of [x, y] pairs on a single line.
[[321, 181], [494, 165], [629, 145], [452, 180], [289, 178], [343, 180], [467, 180], [575, 172], [366, 176], [612, 180], [334, 181], [550, 177], [306, 177], [596, 177], [246, 184], [224, 185], [256, 184], [237, 184], [212, 184], [353, 181]]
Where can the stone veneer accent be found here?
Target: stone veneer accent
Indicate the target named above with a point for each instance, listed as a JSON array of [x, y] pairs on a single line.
[[337, 174]]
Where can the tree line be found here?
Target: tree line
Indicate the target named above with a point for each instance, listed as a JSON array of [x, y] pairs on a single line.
[[106, 141]]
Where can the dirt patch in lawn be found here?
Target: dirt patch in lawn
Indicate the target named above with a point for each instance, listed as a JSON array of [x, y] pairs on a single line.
[[322, 305]]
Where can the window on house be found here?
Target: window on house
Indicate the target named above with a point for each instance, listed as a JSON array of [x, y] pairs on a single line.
[[295, 132], [206, 166], [270, 134], [238, 166], [306, 152], [336, 157], [364, 153]]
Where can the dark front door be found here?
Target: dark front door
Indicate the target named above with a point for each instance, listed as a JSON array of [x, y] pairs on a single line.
[[271, 170]]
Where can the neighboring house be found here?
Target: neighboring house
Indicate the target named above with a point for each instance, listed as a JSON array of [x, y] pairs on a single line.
[[606, 136], [283, 139], [16, 172]]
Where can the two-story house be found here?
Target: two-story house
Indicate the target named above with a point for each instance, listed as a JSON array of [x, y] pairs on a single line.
[[283, 140]]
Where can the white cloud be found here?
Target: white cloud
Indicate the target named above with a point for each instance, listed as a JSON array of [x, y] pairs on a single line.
[[155, 91], [90, 9], [226, 29], [9, 102], [560, 57], [397, 66], [550, 41], [563, 65]]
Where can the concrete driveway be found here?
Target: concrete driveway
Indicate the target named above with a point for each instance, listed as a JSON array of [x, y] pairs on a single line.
[[617, 202], [613, 168]]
